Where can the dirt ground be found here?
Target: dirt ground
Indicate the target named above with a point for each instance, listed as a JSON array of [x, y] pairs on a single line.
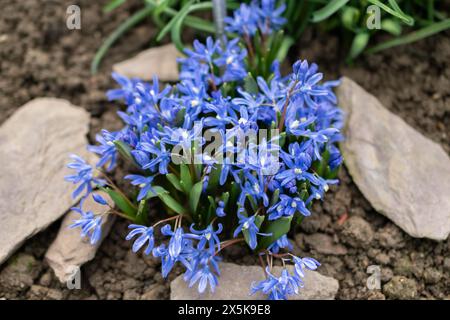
[[39, 56]]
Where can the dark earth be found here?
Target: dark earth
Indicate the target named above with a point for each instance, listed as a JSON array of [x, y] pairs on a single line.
[[39, 56]]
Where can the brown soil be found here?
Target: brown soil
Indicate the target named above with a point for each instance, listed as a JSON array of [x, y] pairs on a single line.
[[40, 57]]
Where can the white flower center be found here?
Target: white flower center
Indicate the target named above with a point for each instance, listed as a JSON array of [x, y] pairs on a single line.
[[298, 171], [295, 124]]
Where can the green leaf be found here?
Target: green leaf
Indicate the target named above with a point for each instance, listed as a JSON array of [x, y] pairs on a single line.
[[413, 36], [250, 84], [276, 228], [186, 180], [116, 34], [194, 196], [275, 197], [358, 45], [187, 8], [258, 222], [175, 35], [172, 203], [173, 179], [395, 11], [158, 191], [286, 44], [113, 5], [328, 10], [122, 202], [141, 217], [124, 150], [214, 178]]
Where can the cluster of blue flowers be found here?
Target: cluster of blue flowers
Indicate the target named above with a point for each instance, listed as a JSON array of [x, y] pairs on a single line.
[[272, 182]]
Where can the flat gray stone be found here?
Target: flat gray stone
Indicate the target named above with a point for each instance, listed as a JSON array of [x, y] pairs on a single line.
[[161, 61], [69, 251], [34, 146], [235, 282], [404, 175]]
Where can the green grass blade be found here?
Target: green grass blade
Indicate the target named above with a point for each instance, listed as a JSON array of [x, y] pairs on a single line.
[[399, 14], [114, 4], [188, 8], [113, 37], [413, 36], [328, 10]]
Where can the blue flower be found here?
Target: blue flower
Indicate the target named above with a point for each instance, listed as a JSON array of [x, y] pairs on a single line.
[[297, 163], [106, 149], [336, 158], [145, 183], [203, 52], [287, 206], [84, 176], [162, 157], [203, 269], [248, 224], [317, 140], [90, 224], [271, 19], [244, 20], [146, 235], [127, 90], [179, 249], [204, 276], [305, 80], [232, 58], [99, 199], [167, 261], [208, 236], [255, 188], [301, 263], [281, 243], [278, 288]]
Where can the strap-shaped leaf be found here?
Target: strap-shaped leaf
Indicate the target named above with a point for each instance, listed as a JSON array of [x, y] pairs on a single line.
[[113, 5], [328, 10], [277, 229], [250, 84], [181, 15], [124, 150], [173, 179], [194, 196], [413, 36], [171, 203], [122, 202], [158, 190], [275, 197], [186, 180]]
